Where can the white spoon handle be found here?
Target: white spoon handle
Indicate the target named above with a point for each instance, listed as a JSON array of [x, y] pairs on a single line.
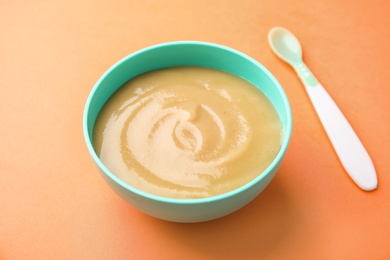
[[346, 143]]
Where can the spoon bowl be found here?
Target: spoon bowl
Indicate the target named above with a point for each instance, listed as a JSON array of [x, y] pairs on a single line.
[[285, 45]]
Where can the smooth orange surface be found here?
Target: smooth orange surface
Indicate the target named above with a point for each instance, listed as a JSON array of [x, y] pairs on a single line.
[[55, 205]]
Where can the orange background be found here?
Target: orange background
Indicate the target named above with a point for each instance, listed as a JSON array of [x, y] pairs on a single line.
[[55, 205]]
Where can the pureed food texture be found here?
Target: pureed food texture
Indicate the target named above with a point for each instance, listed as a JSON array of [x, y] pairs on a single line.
[[187, 132]]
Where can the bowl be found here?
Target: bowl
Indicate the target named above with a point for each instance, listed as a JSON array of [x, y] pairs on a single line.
[[188, 53]]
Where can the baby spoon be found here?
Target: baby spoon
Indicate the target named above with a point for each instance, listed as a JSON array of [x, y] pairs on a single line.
[[346, 143]]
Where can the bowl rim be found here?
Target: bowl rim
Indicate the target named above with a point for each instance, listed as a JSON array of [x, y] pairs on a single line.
[[286, 132]]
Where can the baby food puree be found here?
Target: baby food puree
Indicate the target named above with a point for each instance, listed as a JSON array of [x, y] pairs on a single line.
[[187, 132]]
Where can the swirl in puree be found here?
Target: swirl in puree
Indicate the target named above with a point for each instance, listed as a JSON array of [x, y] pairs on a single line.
[[187, 132]]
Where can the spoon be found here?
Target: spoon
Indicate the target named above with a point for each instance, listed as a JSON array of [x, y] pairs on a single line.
[[346, 143]]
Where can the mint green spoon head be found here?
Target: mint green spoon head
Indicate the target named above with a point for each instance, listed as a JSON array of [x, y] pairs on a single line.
[[285, 45]]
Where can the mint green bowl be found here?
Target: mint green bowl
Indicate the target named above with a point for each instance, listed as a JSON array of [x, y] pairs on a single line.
[[187, 53]]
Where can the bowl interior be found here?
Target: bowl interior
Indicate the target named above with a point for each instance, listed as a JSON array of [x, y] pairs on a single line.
[[187, 54]]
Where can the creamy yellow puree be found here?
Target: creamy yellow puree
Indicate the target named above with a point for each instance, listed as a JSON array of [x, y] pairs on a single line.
[[187, 132]]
